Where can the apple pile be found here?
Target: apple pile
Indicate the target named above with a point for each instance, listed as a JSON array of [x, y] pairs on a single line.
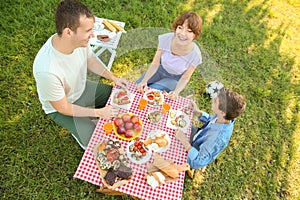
[[128, 125]]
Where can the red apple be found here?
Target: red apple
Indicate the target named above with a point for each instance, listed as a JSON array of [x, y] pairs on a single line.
[[137, 127], [128, 133], [126, 117], [128, 125], [134, 119], [121, 130], [118, 121]]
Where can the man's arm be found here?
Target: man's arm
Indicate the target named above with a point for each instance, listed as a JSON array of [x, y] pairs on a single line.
[[62, 106], [96, 67]]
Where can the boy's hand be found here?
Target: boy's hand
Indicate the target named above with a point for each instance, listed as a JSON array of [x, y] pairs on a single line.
[[183, 139], [195, 108]]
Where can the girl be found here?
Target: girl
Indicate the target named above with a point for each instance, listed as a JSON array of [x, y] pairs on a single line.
[[176, 58]]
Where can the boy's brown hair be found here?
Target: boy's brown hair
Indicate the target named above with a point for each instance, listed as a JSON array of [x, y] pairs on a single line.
[[67, 15], [231, 103], [194, 22]]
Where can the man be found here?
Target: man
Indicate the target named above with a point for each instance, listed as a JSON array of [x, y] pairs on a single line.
[[60, 70], [207, 142]]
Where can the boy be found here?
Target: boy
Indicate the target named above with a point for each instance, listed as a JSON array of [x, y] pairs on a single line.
[[207, 142]]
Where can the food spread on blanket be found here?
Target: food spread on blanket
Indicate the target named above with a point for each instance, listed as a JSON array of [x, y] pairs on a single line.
[[158, 141], [154, 116], [121, 97], [154, 97], [137, 152], [127, 126], [178, 119], [112, 163], [163, 171]]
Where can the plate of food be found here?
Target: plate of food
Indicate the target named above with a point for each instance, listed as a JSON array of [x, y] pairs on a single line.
[[112, 163], [154, 97], [178, 119], [127, 126], [154, 116], [122, 99], [158, 141], [137, 152]]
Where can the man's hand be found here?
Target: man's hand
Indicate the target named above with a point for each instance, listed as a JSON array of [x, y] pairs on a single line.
[[121, 82], [107, 112], [183, 139]]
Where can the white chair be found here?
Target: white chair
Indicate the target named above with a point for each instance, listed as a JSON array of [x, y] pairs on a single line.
[[99, 47]]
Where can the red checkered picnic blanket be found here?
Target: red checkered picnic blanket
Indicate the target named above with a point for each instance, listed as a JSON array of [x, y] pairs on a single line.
[[88, 171]]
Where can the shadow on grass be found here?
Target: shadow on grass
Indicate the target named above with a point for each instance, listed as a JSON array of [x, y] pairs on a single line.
[[244, 41], [260, 160]]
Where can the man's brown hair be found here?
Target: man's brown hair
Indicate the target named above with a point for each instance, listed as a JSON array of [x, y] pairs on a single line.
[[194, 22], [231, 103], [67, 15]]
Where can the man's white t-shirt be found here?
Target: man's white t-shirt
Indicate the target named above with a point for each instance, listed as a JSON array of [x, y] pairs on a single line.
[[57, 74]]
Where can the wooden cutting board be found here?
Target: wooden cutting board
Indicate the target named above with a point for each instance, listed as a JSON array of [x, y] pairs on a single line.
[[97, 148]]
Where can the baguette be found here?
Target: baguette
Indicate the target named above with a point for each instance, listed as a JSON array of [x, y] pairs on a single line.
[[109, 26], [119, 28], [170, 171]]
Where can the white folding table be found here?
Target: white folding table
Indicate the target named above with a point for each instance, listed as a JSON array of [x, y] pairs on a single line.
[[99, 47]]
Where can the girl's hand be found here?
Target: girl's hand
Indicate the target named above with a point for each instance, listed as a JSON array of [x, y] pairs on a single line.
[[142, 87], [173, 95]]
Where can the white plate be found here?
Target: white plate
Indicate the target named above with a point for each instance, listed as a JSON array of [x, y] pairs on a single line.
[[144, 159], [155, 102], [155, 133], [124, 106], [173, 114], [153, 111]]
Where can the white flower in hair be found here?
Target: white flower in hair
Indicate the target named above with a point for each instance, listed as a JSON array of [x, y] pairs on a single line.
[[213, 88]]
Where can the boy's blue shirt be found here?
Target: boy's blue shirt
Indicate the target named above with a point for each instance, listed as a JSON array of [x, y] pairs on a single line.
[[211, 141]]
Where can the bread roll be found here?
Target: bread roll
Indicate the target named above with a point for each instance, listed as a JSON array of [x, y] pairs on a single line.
[[155, 179], [162, 142]]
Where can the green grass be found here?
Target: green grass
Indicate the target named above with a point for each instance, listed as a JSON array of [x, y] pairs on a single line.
[[251, 46]]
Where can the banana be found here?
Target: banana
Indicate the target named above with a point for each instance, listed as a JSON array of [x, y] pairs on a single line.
[[109, 26]]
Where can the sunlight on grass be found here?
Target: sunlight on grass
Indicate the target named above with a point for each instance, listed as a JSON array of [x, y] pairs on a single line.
[[277, 15], [188, 5], [294, 169], [212, 13], [289, 112], [253, 46]]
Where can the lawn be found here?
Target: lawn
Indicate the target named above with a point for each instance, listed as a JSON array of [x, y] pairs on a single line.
[[251, 46]]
